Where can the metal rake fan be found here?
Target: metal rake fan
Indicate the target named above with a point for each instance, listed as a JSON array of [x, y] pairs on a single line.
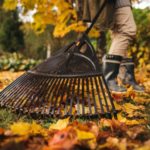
[[70, 83]]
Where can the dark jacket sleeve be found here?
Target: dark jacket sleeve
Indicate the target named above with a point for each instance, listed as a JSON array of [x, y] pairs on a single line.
[[91, 7], [122, 3]]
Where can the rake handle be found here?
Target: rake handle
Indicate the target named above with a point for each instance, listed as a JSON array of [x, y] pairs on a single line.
[[95, 19]]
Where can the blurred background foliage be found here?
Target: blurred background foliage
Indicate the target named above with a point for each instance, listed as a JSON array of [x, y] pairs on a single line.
[[11, 37], [21, 47], [140, 48]]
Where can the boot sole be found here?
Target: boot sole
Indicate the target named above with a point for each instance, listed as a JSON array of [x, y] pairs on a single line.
[[138, 91], [116, 92]]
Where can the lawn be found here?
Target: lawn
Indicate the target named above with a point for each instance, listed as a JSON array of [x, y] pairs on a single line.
[[130, 131]]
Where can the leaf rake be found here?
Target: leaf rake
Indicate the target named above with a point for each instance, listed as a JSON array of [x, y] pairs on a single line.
[[70, 83]]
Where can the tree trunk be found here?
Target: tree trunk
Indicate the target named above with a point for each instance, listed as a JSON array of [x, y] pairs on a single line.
[[48, 50]]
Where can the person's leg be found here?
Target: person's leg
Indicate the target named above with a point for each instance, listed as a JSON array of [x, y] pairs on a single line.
[[126, 75], [123, 33], [110, 68]]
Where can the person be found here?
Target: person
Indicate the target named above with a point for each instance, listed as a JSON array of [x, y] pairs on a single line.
[[123, 31]]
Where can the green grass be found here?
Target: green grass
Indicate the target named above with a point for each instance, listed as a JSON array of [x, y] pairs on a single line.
[[7, 117]]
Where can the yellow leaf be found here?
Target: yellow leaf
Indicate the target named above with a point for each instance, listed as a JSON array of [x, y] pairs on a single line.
[[61, 124], [106, 123], [117, 106], [131, 109], [130, 122], [121, 118], [10, 4], [37, 129], [28, 4], [20, 128], [23, 128], [135, 122], [116, 143], [83, 135], [94, 33], [142, 100], [145, 146], [130, 106]]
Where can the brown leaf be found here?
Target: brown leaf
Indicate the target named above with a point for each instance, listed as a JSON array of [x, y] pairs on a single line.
[[2, 131], [135, 131], [113, 124], [64, 139]]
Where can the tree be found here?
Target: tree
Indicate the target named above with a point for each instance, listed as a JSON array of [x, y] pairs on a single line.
[[140, 47], [11, 37], [43, 45], [58, 13]]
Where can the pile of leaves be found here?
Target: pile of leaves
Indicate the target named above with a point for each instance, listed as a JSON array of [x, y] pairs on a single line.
[[16, 62], [130, 131], [105, 134]]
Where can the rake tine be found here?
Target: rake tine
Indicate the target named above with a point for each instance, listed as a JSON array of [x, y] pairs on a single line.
[[61, 82], [7, 91], [48, 95], [51, 96], [99, 98], [14, 91], [40, 98], [88, 96], [107, 106], [14, 98], [93, 96], [78, 97], [33, 92], [51, 86], [12, 84], [62, 95], [50, 81], [23, 98], [72, 97], [35, 98], [68, 97], [83, 100], [26, 93], [110, 98], [45, 92]]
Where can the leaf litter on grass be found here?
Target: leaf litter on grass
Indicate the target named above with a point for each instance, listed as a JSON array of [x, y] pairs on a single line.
[[130, 131]]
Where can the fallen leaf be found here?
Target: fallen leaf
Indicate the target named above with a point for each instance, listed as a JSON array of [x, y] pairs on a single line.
[[114, 143], [2, 131], [64, 139], [135, 122], [83, 135], [145, 146], [60, 124], [135, 131], [130, 122], [24, 128], [113, 124], [20, 128]]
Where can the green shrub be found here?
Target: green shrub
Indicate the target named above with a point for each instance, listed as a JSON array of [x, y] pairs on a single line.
[[16, 62]]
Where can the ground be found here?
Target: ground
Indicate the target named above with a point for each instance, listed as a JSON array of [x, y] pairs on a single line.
[[130, 131]]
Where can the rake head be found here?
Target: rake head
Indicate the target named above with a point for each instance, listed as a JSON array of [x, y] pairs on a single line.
[[70, 83]]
